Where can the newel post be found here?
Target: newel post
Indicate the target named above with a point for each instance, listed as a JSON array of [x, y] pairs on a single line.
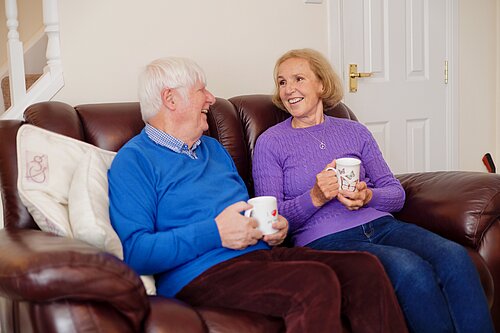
[[15, 53]]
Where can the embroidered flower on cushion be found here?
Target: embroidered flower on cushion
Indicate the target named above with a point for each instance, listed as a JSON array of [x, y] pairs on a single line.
[[37, 166]]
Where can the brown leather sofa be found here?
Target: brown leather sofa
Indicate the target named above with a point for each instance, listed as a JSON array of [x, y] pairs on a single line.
[[55, 284]]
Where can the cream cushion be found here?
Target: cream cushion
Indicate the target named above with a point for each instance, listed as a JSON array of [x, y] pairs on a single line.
[[63, 183], [46, 163], [88, 203]]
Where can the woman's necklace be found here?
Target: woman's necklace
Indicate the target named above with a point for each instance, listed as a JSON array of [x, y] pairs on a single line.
[[322, 144]]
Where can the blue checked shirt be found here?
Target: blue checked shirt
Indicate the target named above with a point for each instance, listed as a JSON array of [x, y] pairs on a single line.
[[166, 140]]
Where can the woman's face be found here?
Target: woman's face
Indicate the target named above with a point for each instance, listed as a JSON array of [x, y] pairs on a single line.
[[300, 89]]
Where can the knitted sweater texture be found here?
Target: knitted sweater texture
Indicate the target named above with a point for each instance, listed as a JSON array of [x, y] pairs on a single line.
[[286, 161]]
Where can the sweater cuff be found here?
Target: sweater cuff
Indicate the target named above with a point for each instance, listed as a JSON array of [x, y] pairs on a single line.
[[375, 201], [210, 239]]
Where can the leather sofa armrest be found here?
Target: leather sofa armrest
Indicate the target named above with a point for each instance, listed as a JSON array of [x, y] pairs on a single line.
[[459, 205], [40, 267]]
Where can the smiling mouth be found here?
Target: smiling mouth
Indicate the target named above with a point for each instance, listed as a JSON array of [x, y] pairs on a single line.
[[205, 111], [295, 100]]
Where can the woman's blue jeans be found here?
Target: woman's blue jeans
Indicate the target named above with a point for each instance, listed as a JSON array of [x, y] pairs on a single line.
[[436, 283]]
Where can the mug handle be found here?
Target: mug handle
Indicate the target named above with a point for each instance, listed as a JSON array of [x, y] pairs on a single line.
[[248, 212], [336, 174], [331, 169]]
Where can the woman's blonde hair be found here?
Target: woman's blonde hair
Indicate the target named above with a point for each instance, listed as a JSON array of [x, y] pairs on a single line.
[[333, 91]]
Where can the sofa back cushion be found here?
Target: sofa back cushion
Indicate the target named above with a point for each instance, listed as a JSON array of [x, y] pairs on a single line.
[[257, 113], [110, 125], [236, 123]]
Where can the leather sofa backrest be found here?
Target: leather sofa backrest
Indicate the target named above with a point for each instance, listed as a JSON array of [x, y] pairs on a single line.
[[236, 123], [256, 114]]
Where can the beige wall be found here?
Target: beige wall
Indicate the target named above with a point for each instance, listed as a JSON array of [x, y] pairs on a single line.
[[236, 42], [3, 34], [478, 61], [29, 15]]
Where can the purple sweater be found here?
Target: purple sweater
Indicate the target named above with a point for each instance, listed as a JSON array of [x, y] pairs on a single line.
[[286, 161]]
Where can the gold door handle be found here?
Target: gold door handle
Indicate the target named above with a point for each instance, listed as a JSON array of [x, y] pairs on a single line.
[[353, 77]]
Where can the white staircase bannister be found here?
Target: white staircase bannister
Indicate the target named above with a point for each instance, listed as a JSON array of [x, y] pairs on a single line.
[[51, 80], [15, 54], [51, 22]]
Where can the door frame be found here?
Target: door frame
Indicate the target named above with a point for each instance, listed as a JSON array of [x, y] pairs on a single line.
[[335, 54]]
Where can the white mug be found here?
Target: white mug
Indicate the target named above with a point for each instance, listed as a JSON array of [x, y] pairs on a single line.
[[347, 170], [265, 211]]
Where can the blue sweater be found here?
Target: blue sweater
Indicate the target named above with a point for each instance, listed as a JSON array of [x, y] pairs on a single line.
[[163, 206]]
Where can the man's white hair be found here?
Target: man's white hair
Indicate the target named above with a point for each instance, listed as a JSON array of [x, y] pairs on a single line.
[[170, 72]]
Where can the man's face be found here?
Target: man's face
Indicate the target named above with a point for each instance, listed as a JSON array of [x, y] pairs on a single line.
[[193, 110]]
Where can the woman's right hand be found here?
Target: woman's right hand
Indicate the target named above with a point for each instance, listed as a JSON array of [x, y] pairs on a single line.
[[326, 187]]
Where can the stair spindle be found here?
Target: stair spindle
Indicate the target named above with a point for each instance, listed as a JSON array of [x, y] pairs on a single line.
[[15, 53]]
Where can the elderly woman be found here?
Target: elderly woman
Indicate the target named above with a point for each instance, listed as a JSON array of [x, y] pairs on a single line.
[[435, 281]]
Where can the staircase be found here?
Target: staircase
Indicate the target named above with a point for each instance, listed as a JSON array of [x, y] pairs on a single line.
[[29, 80], [18, 89]]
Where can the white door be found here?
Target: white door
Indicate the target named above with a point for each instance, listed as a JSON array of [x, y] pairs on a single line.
[[403, 43]]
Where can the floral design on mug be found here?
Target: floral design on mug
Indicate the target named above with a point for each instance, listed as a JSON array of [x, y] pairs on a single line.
[[265, 211], [348, 181], [348, 184]]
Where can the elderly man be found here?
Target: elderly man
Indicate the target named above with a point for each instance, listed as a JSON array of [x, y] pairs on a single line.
[[176, 202]]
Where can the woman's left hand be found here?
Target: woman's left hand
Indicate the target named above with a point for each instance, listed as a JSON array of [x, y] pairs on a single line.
[[278, 237], [355, 200]]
